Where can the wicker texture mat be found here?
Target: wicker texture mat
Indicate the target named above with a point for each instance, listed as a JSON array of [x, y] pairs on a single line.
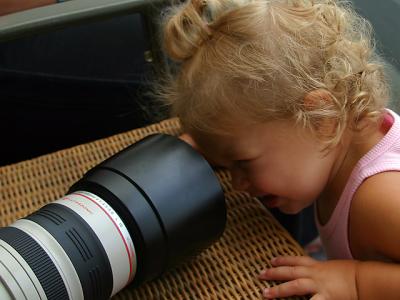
[[227, 270]]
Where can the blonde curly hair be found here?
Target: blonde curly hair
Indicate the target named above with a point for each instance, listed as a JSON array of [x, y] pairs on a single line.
[[258, 59]]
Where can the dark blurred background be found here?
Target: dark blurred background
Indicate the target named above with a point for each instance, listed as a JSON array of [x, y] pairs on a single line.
[[74, 85], [384, 17]]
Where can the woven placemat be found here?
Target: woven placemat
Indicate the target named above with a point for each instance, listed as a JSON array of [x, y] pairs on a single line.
[[227, 270]]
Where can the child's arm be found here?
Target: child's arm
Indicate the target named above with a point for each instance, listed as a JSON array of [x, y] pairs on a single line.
[[374, 232], [377, 280]]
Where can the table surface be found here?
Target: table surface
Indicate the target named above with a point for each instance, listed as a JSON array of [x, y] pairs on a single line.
[[226, 270]]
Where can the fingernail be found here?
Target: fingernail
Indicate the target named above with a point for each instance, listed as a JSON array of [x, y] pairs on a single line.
[[267, 292], [262, 274]]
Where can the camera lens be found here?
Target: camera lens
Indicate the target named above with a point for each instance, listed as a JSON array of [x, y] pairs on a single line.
[[146, 209]]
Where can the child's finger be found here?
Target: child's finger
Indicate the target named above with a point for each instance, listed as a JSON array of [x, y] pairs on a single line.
[[298, 287], [317, 297], [285, 273], [293, 261]]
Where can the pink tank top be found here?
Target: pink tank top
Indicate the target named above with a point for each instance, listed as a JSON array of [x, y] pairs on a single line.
[[384, 156]]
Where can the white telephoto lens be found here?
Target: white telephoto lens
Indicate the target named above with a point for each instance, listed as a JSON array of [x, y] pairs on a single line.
[[69, 249], [17, 278], [125, 222], [57, 254], [4, 293], [110, 230]]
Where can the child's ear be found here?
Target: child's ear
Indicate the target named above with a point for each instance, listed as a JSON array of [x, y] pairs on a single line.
[[318, 100]]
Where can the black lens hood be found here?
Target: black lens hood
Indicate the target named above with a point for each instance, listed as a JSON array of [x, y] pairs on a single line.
[[167, 195]]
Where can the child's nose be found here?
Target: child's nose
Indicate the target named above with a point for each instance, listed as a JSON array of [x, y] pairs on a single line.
[[239, 181]]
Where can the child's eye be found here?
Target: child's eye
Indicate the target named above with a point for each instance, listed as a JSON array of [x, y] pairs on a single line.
[[243, 162]]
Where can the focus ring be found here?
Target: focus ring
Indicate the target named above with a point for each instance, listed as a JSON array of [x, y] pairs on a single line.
[[38, 260], [81, 245]]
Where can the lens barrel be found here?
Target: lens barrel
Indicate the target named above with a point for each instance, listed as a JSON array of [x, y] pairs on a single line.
[[128, 220]]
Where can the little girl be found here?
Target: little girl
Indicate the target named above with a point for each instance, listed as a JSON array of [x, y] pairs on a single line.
[[290, 97]]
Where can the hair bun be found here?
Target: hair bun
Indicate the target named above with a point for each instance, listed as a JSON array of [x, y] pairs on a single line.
[[185, 29]]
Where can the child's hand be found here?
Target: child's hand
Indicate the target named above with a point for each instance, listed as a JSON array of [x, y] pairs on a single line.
[[323, 280], [188, 139]]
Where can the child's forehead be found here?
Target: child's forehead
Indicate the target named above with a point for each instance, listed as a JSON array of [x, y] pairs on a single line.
[[232, 143], [214, 140]]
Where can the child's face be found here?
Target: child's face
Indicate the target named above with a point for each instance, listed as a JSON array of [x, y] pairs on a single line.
[[281, 164]]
